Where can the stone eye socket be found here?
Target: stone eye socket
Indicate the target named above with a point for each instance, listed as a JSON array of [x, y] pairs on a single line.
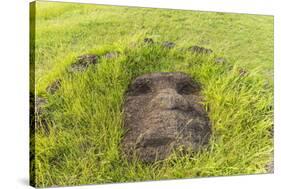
[[186, 88], [140, 87]]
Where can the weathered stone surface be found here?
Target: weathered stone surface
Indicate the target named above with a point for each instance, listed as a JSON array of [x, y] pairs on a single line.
[[163, 111], [199, 50], [83, 62], [169, 44], [53, 87]]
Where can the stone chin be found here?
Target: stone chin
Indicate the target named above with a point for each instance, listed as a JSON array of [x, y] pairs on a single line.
[[163, 111]]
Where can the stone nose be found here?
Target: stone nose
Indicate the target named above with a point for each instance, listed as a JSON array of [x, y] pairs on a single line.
[[167, 99]]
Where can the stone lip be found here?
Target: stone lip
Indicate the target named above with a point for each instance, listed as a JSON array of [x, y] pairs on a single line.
[[38, 113], [168, 44], [148, 40], [165, 44], [270, 167], [163, 112], [83, 62], [54, 87], [199, 50], [111, 55], [220, 60]]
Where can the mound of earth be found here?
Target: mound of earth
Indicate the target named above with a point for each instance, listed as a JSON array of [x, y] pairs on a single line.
[[163, 112]]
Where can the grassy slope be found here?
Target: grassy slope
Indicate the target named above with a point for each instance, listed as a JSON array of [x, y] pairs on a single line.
[[85, 114]]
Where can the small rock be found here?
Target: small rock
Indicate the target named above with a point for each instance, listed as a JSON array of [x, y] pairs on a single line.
[[168, 44], [199, 50], [148, 40], [163, 112], [220, 60], [52, 88], [83, 62]]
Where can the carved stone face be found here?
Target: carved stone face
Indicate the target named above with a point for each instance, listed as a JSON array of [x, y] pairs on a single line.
[[163, 111]]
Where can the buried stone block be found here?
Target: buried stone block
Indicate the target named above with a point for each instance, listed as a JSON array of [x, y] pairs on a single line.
[[163, 112]]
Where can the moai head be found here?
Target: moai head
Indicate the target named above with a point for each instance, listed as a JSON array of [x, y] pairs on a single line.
[[163, 111]]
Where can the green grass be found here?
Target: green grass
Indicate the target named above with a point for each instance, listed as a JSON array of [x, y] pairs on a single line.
[[85, 114]]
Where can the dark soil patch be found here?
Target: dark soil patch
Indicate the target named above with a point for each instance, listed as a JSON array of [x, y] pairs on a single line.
[[163, 111]]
